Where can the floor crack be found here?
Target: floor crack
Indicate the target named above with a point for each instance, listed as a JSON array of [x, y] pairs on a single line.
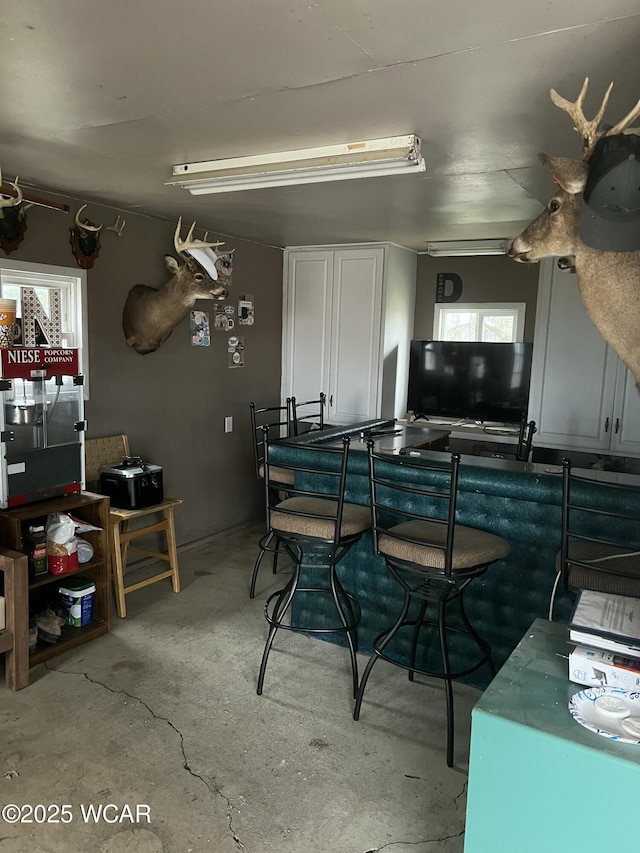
[[462, 793], [438, 840], [206, 780]]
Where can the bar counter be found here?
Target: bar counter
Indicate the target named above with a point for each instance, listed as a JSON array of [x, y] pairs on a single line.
[[520, 501]]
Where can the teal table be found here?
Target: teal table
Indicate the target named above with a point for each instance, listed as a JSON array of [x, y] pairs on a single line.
[[538, 781]]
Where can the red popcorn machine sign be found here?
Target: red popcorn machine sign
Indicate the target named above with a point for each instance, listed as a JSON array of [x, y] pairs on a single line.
[[27, 362]]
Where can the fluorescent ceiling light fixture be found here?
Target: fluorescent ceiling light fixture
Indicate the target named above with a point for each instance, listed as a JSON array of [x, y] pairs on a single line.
[[467, 248], [394, 155]]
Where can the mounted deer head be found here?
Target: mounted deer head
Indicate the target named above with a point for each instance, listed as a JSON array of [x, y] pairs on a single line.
[[149, 315], [13, 221], [85, 238], [609, 281]]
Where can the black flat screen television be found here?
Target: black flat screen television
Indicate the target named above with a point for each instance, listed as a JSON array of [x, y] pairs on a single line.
[[479, 381]]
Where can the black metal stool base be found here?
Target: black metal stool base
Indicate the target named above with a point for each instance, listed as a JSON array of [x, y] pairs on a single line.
[[444, 632], [279, 604], [269, 544]]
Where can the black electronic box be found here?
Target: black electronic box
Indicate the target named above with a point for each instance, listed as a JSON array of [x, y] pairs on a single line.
[[132, 484]]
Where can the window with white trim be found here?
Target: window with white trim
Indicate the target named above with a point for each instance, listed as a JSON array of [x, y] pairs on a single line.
[[43, 278], [493, 322]]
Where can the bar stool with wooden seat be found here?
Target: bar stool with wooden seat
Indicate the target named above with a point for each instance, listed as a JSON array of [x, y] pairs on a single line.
[[109, 450], [433, 559], [277, 419], [600, 544], [308, 415], [317, 528], [525, 439]]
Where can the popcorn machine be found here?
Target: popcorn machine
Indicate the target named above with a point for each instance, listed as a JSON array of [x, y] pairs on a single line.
[[41, 424]]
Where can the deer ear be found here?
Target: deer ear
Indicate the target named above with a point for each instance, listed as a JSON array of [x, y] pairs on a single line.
[[171, 264], [570, 175]]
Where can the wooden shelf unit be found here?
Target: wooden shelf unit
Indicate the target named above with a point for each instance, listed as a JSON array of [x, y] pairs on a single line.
[[89, 507], [14, 639]]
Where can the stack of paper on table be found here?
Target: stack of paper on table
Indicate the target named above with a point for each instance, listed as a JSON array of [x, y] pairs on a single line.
[[606, 629], [603, 620]]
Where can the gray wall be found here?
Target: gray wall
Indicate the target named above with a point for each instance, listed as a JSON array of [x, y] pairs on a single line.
[[172, 403], [490, 279]]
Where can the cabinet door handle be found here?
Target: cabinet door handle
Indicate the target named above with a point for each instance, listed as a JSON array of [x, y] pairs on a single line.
[[617, 424], [606, 425], [331, 399]]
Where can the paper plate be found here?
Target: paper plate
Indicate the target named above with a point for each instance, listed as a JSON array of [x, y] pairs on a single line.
[[611, 712]]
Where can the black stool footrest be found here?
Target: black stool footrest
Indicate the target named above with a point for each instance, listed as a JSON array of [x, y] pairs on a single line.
[[269, 612], [272, 544], [483, 647]]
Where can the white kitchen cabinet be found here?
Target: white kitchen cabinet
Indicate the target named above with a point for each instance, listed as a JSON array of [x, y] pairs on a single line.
[[347, 323], [625, 424], [582, 396]]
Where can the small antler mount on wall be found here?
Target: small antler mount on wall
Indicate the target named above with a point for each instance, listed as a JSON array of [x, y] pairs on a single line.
[[85, 238], [13, 220]]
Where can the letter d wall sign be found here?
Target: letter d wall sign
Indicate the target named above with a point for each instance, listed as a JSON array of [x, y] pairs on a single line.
[[455, 291]]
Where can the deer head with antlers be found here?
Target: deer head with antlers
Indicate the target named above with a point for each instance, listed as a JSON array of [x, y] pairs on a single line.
[[85, 238], [13, 222], [150, 315], [609, 281]]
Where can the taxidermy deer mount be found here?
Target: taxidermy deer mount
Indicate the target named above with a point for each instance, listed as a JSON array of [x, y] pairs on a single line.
[[609, 281], [85, 238], [150, 315], [13, 221]]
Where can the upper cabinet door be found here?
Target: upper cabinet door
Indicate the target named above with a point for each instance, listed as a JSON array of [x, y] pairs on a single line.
[[573, 372], [355, 368], [307, 323], [625, 427], [347, 323]]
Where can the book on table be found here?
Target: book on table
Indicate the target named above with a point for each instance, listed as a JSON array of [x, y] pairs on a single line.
[[600, 668], [608, 621]]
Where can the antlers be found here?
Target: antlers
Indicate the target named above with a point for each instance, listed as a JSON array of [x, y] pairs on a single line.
[[87, 226], [117, 227], [190, 243], [589, 129], [10, 201]]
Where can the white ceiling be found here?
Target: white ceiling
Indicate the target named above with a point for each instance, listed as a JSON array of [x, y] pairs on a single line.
[[100, 98]]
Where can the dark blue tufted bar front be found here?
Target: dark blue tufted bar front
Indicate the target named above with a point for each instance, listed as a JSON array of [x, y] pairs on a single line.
[[516, 500]]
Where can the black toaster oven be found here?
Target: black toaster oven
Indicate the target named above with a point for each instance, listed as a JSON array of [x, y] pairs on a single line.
[[132, 484]]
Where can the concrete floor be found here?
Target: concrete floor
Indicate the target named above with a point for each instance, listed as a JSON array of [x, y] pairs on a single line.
[[163, 713]]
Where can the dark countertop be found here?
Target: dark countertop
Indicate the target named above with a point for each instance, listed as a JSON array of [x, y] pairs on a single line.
[[393, 438], [400, 437]]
